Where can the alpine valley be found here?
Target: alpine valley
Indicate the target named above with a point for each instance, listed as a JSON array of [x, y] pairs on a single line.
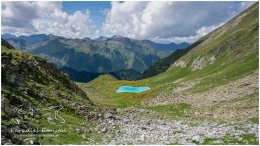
[[206, 92]]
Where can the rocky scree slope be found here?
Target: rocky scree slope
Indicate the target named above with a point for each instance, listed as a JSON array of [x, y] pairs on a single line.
[[141, 126]]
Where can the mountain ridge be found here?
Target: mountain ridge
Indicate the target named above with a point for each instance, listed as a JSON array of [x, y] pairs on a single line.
[[98, 55]]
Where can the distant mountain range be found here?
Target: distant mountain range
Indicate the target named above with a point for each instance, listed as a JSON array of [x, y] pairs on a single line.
[[100, 55]]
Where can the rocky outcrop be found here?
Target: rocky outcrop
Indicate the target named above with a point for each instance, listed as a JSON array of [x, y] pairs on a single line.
[[181, 64], [198, 63]]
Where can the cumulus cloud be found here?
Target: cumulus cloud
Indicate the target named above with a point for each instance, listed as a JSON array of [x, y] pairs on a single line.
[[189, 39], [177, 21], [164, 21], [20, 14], [24, 18], [77, 25]]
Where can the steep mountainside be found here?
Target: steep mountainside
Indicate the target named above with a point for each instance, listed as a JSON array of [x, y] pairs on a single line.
[[38, 100], [101, 55], [208, 94], [222, 40], [163, 64]]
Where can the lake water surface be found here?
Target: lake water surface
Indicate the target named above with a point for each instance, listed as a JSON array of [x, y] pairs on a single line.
[[132, 89]]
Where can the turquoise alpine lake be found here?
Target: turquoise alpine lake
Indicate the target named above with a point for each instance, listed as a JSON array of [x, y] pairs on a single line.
[[131, 89]]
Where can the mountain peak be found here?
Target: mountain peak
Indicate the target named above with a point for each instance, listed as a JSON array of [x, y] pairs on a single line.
[[8, 36], [116, 36], [35, 38], [87, 39], [102, 38]]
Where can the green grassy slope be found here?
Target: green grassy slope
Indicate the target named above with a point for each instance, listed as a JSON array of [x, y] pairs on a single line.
[[223, 56], [233, 35], [36, 95]]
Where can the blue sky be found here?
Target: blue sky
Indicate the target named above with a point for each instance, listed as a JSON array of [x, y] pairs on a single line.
[[161, 21], [96, 8]]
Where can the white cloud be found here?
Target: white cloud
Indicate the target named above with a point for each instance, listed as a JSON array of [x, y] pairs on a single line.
[[246, 4], [20, 14], [177, 21], [24, 18], [161, 20], [189, 39], [77, 25]]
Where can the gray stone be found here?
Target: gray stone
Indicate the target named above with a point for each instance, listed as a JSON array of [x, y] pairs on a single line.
[[108, 115]]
